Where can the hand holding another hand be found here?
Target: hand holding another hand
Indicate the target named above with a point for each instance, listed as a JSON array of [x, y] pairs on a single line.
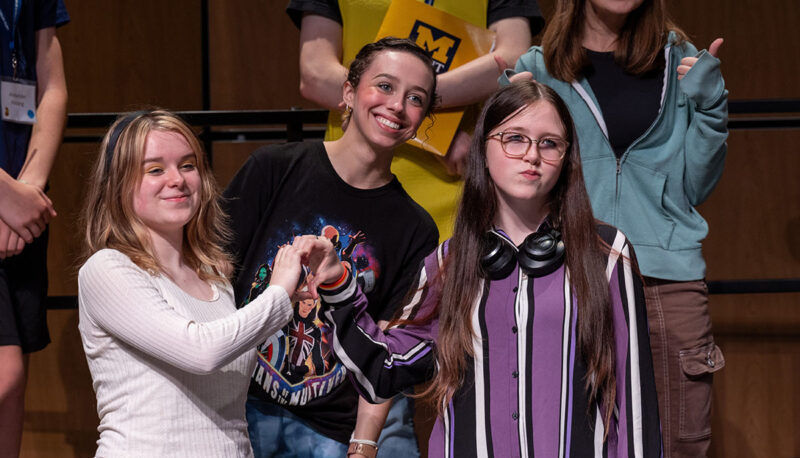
[[319, 254], [26, 209], [11, 244], [286, 271]]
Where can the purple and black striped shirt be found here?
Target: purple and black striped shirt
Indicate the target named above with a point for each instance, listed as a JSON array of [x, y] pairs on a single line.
[[524, 394]]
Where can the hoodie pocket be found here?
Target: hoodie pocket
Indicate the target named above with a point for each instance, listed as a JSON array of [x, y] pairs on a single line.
[[641, 213]]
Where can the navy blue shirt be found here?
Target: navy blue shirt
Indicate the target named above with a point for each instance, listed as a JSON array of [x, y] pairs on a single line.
[[33, 16]]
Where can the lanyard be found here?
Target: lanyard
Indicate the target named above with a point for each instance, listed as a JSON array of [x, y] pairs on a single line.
[[12, 29]]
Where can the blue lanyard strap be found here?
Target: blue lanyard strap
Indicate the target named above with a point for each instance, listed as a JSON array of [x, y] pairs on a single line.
[[13, 27]]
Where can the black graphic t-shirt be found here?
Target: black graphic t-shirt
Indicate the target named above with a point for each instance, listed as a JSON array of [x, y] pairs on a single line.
[[292, 189]]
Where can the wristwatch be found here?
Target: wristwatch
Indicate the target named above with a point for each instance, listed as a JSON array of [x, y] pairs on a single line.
[[368, 450]]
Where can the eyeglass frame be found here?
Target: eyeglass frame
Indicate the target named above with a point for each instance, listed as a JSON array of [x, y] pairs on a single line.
[[499, 137]]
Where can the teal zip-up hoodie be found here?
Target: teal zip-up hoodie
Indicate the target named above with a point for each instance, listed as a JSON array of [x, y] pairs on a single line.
[[650, 193]]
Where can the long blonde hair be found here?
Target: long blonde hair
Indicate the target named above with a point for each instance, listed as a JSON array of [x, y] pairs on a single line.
[[108, 214]]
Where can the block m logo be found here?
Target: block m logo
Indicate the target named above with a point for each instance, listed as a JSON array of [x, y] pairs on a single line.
[[441, 45]]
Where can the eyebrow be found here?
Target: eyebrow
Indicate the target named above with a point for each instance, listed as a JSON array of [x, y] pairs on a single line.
[[394, 78], [161, 159], [524, 129]]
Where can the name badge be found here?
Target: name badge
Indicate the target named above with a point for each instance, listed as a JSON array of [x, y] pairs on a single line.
[[18, 98]]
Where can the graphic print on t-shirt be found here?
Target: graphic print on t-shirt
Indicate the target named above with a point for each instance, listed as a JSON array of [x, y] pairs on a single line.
[[297, 365]]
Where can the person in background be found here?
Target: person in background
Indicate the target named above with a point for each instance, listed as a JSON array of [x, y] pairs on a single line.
[[529, 321], [342, 191], [30, 62], [651, 114], [332, 31], [169, 353]]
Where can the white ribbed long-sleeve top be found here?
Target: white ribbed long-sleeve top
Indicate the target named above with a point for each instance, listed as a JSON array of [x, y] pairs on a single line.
[[170, 371]]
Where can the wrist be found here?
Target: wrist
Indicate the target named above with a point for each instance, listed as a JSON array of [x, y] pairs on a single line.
[[339, 281], [31, 182], [362, 447]]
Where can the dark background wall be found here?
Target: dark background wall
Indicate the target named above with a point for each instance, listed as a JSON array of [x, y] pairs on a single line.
[[124, 54]]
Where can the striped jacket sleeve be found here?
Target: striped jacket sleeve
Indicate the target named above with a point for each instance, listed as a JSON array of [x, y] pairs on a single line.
[[384, 363], [639, 429]]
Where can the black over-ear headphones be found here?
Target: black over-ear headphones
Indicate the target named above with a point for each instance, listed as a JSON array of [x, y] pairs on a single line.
[[540, 254], [114, 137]]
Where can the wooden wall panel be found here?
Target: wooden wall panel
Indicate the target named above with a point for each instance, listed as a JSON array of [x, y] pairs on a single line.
[[756, 410], [67, 181], [60, 414], [254, 56], [753, 214], [759, 59], [124, 54], [229, 157]]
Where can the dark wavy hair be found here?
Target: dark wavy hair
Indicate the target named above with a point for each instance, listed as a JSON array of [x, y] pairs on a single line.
[[570, 212], [368, 52]]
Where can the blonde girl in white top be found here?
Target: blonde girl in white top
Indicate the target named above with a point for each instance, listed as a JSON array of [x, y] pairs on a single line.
[[169, 353]]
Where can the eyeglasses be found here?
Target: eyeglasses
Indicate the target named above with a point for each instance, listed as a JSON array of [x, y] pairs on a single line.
[[517, 145]]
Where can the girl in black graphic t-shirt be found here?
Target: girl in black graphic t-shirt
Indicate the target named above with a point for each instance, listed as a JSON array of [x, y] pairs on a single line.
[[343, 190]]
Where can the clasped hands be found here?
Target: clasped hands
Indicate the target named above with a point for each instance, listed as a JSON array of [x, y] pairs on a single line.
[[314, 252], [25, 211]]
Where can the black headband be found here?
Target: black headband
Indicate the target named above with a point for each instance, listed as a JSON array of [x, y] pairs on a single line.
[[112, 141]]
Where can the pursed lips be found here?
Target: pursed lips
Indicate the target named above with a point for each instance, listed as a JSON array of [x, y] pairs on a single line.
[[178, 198], [530, 174]]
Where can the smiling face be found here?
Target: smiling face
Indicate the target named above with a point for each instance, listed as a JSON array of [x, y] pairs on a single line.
[[168, 195], [391, 99], [525, 183]]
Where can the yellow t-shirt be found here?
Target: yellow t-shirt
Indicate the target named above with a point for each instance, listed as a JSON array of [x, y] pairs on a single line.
[[424, 178]]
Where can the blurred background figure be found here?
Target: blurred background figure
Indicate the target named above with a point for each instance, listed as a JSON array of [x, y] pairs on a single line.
[[32, 68]]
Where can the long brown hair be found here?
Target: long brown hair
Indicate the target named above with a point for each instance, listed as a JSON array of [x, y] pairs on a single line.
[[642, 38], [108, 214], [570, 212]]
